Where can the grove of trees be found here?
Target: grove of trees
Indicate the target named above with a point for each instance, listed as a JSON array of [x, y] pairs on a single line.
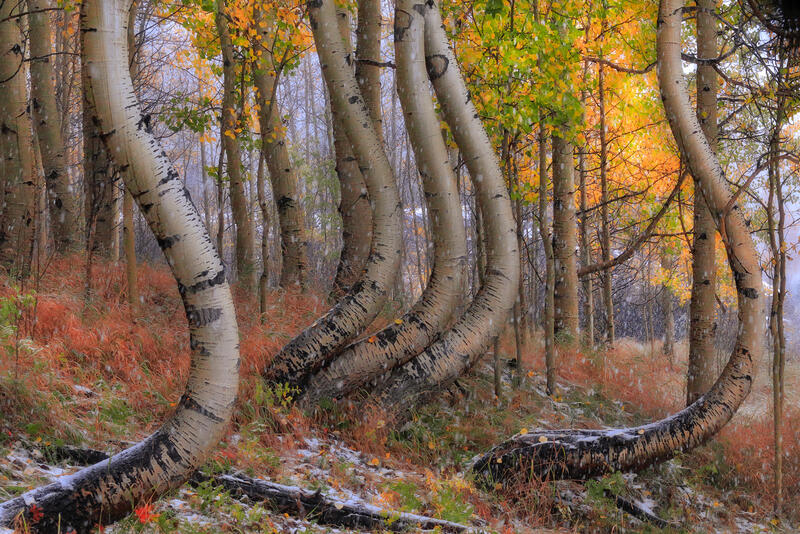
[[444, 175]]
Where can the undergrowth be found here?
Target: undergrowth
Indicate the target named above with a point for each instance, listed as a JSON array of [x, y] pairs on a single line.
[[96, 372]]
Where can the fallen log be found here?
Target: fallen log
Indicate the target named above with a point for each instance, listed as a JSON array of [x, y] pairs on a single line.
[[326, 510], [306, 504]]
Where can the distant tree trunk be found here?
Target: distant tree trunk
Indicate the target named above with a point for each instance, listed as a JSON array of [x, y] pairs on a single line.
[[415, 330], [221, 203], [368, 54], [112, 488], [18, 224], [565, 242], [47, 125], [669, 316], [353, 201], [294, 271], [587, 453], [263, 280], [586, 254], [702, 308], [458, 348], [245, 265], [549, 284], [204, 176], [777, 242], [608, 299], [322, 340]]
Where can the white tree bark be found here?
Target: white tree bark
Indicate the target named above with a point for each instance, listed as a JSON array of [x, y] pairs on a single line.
[[586, 453], [110, 489], [353, 313], [460, 346], [415, 330]]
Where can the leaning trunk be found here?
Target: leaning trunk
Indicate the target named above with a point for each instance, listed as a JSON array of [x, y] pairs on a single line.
[[353, 200], [458, 348], [320, 342], [111, 489], [586, 453], [281, 173], [409, 335]]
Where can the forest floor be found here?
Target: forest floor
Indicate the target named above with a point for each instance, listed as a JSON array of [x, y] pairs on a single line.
[[97, 376]]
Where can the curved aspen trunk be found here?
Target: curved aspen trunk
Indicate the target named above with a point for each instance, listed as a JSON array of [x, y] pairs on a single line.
[[565, 242], [368, 53], [47, 125], [458, 348], [110, 489], [245, 265], [17, 229], [281, 173], [702, 308], [409, 335], [353, 200], [586, 453], [353, 313]]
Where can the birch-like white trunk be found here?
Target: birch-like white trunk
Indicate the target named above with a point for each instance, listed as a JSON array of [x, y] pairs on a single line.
[[353, 313], [111, 489], [414, 331], [456, 349], [586, 453]]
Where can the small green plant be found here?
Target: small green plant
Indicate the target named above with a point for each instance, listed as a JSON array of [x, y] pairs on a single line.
[[13, 312], [451, 506], [407, 493]]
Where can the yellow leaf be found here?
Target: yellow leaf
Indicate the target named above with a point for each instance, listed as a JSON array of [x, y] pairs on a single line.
[[398, 321], [371, 339], [431, 445], [542, 439], [523, 431]]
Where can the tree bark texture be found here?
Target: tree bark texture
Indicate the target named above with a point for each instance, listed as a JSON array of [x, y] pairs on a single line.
[[354, 205], [458, 348], [353, 313], [565, 242], [294, 264], [702, 308], [111, 489], [415, 330]]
